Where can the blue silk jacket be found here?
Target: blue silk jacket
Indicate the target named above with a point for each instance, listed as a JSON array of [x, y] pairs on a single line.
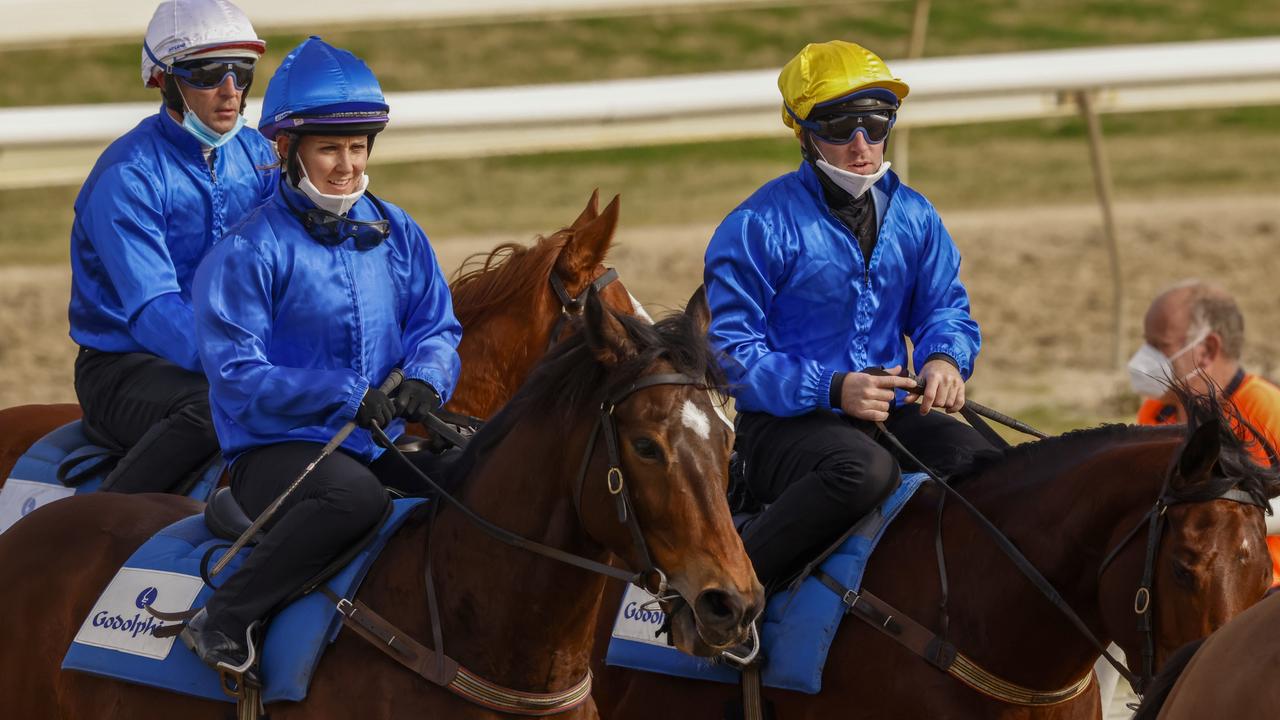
[[793, 303], [148, 212], [292, 332]]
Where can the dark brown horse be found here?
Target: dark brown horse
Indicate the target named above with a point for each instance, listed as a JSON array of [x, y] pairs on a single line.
[[1232, 673], [512, 617], [504, 300], [1066, 503]]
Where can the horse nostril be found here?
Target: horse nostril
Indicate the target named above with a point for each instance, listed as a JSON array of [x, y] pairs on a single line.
[[719, 607]]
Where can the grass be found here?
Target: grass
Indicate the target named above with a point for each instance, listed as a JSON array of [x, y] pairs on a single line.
[[992, 165]]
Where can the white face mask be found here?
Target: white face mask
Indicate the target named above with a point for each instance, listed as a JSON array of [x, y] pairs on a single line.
[[850, 182], [1150, 370], [336, 204]]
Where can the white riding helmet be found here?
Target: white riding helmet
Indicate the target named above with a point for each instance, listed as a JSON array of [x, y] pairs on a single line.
[[192, 29]]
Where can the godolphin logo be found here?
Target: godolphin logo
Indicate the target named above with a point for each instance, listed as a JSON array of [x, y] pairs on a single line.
[[28, 506], [146, 597]]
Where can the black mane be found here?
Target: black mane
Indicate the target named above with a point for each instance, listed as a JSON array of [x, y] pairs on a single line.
[[570, 380], [1236, 465]]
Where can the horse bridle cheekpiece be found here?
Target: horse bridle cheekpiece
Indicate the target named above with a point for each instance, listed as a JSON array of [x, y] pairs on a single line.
[[1144, 598]]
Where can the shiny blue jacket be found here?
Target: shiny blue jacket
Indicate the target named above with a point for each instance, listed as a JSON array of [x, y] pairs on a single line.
[[149, 211], [292, 332], [793, 303]]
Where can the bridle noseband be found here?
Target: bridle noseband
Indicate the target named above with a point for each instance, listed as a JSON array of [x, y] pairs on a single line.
[[1155, 521]]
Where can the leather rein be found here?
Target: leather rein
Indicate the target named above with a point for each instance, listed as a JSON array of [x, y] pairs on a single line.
[[438, 668], [938, 651]]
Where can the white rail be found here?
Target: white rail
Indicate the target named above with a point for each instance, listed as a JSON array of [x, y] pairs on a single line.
[[57, 145]]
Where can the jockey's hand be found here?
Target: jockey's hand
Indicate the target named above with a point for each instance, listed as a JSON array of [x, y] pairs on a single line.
[[414, 399], [867, 397], [375, 407], [943, 387]]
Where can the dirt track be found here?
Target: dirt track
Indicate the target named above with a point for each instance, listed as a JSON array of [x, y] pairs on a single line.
[[1038, 279]]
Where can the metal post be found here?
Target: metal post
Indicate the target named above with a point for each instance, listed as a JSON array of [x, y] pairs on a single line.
[[1102, 184], [915, 49]]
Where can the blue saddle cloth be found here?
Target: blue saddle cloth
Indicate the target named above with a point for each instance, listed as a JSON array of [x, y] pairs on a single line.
[[34, 479], [795, 632], [115, 639]]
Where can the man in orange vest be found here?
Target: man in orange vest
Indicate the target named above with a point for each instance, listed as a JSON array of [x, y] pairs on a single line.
[[1194, 332]]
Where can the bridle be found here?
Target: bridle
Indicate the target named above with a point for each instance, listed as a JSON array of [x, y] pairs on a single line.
[[1144, 598], [571, 305]]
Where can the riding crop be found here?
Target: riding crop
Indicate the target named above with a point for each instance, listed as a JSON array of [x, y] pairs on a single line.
[[392, 381]]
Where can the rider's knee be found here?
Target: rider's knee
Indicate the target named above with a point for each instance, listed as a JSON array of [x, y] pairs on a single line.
[[863, 477]]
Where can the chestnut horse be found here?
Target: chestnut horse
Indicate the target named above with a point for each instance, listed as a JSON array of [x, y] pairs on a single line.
[[505, 303], [1230, 674], [514, 618], [1066, 503]]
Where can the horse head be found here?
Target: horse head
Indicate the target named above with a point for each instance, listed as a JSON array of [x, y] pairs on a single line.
[[675, 450], [513, 303], [1201, 552]]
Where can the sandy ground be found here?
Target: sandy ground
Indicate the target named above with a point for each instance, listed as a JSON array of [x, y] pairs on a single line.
[[1038, 277]]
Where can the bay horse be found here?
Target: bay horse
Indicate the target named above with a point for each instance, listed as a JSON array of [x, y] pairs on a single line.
[[1230, 674], [504, 299], [512, 617], [1076, 507]]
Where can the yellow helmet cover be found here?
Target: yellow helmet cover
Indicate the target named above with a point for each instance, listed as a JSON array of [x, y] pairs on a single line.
[[827, 71]]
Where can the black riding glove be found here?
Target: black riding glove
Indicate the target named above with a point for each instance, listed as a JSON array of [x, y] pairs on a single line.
[[375, 407], [415, 399]]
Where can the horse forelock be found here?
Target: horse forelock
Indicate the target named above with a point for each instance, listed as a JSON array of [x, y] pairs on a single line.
[[570, 381], [1238, 440], [488, 281]]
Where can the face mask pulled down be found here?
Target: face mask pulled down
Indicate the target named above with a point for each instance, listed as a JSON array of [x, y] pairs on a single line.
[[336, 204], [205, 134], [851, 182]]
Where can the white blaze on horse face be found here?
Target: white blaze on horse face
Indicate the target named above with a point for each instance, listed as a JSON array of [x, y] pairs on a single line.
[[696, 420], [639, 309]]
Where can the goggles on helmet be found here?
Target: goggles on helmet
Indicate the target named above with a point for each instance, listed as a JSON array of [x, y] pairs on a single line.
[[332, 230], [209, 74]]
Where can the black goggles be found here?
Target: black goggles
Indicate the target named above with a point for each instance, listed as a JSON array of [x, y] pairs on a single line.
[[332, 230], [842, 128], [209, 74]]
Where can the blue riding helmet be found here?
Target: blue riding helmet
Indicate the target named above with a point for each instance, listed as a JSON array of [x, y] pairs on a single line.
[[322, 89]]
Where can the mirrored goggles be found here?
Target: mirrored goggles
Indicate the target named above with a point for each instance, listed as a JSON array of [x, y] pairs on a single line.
[[209, 74], [841, 129], [328, 229]]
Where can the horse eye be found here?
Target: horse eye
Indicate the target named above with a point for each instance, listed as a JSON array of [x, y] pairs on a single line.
[[1183, 576], [646, 448]]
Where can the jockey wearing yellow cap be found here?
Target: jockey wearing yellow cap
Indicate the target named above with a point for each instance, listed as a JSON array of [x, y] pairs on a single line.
[[814, 282]]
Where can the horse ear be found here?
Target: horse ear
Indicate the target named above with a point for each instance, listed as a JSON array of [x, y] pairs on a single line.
[[698, 311], [589, 244], [604, 333], [590, 212], [1199, 454]]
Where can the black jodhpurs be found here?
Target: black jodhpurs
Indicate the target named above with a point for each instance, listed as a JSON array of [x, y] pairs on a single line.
[[336, 505], [822, 472], [155, 411]]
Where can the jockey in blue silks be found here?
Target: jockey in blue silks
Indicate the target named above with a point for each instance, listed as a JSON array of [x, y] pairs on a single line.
[[813, 283], [156, 201], [301, 314]]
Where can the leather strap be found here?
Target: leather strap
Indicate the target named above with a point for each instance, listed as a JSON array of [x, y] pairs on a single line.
[[942, 654]]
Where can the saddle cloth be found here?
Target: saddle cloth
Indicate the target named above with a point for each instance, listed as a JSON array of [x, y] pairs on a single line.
[[796, 629], [34, 479], [116, 638]]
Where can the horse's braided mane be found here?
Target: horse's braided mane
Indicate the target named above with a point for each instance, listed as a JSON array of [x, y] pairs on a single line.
[[1237, 465], [510, 271], [570, 379]]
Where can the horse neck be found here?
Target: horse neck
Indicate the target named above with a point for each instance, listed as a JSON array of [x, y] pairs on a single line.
[[512, 616], [1064, 521], [500, 351]]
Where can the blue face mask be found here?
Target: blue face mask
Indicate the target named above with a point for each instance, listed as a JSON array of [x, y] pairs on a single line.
[[205, 134]]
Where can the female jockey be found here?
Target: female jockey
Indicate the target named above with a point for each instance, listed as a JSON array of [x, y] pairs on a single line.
[[300, 316]]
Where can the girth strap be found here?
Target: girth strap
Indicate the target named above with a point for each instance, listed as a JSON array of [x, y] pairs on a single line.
[[941, 653], [447, 673]]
